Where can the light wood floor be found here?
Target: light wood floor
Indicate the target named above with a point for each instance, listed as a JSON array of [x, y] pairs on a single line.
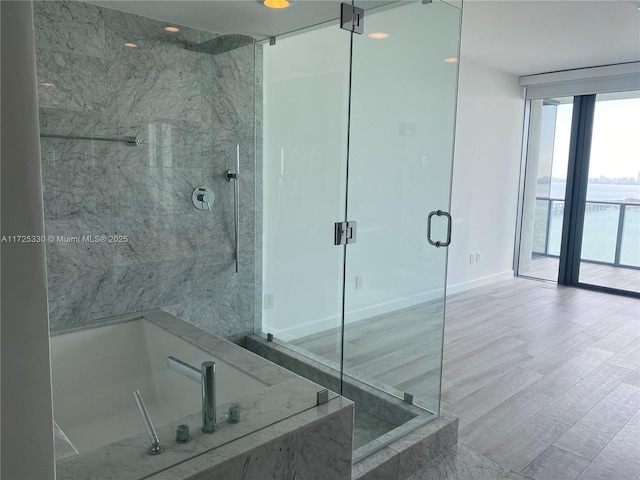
[[591, 273], [549, 383], [545, 379]]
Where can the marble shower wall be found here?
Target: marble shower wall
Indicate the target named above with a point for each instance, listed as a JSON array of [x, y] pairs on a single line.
[[189, 110]]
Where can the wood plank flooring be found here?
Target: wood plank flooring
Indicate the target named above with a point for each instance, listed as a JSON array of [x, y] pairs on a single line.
[[591, 273], [569, 408], [545, 379]]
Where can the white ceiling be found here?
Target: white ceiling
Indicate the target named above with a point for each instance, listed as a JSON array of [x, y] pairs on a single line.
[[526, 37], [517, 36], [237, 16]]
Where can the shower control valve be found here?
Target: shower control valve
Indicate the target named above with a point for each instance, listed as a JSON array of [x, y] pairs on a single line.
[[202, 198]]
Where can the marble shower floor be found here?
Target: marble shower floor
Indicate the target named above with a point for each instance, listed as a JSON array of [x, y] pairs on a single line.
[[368, 427]]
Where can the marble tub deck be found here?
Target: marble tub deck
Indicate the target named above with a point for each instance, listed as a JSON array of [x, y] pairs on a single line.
[[283, 431]]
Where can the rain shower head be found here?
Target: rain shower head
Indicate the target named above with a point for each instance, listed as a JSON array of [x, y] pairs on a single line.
[[222, 44]]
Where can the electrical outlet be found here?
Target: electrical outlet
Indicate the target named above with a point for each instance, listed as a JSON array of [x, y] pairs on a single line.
[[359, 281], [477, 257], [267, 301]]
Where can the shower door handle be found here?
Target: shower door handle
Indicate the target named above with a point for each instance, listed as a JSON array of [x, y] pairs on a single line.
[[438, 243]]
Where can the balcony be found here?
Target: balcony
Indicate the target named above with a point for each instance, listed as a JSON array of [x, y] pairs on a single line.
[[610, 247]]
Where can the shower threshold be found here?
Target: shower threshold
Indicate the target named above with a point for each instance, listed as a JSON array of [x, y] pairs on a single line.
[[392, 438]]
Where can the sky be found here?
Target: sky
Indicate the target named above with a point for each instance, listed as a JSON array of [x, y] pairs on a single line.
[[615, 147]]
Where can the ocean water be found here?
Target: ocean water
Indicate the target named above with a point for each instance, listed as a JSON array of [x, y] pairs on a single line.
[[596, 192]]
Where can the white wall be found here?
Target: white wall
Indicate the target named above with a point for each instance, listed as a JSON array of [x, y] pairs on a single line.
[[27, 423], [486, 175]]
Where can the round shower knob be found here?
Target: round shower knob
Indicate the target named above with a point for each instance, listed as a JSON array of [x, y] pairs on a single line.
[[202, 198]]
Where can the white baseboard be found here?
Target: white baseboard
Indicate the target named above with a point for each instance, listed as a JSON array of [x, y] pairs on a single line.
[[317, 326], [479, 282]]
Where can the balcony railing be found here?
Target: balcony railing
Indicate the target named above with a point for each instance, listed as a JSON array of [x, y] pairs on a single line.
[[611, 231]]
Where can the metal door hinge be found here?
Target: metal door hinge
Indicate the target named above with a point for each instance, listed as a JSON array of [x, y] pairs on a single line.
[[352, 18], [345, 233]]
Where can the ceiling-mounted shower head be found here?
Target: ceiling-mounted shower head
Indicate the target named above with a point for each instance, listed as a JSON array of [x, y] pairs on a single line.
[[222, 44]]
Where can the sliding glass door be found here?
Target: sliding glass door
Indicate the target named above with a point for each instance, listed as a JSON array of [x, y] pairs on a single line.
[[610, 253], [580, 219]]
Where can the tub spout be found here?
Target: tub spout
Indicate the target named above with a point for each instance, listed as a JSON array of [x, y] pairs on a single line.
[[206, 376], [208, 397]]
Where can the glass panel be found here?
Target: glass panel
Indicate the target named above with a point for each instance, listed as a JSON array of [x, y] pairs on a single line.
[[545, 183], [400, 153], [630, 248], [306, 99], [611, 237], [600, 232], [554, 233]]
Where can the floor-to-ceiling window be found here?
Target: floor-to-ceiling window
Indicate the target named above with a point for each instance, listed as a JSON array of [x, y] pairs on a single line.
[[547, 155], [580, 215], [610, 253]]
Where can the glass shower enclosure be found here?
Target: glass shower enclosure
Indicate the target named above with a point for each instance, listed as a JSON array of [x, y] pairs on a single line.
[[358, 141]]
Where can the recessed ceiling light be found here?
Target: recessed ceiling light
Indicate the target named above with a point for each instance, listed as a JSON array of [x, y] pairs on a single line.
[[451, 60], [276, 3], [378, 35], [130, 44], [47, 84], [171, 29]]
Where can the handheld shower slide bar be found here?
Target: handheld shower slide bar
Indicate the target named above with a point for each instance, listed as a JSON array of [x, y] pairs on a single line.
[[235, 176], [129, 140]]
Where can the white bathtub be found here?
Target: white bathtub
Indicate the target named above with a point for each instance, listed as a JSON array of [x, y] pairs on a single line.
[[94, 372]]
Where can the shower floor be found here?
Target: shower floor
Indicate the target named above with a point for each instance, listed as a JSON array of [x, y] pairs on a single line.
[[368, 427], [401, 349]]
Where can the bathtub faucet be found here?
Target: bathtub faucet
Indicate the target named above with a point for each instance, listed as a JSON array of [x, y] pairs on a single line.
[[206, 377]]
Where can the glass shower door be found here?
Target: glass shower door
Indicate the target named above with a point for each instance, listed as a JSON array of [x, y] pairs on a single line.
[[399, 171]]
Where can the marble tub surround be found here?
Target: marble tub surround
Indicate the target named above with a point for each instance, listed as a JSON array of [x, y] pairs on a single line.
[[407, 455], [188, 110], [312, 445], [406, 431], [284, 412]]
